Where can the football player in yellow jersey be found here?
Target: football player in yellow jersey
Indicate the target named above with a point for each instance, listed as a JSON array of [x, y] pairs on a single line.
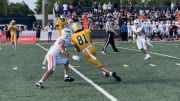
[[12, 28], [82, 41], [61, 23]]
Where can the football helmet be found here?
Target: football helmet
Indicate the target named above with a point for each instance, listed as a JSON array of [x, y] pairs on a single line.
[[62, 17], [13, 21], [66, 33], [76, 27]]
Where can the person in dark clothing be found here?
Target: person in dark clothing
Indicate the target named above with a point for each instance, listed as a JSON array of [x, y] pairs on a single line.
[[38, 32], [110, 39], [8, 35], [124, 32]]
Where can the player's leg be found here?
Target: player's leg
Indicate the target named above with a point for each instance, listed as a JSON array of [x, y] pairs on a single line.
[[90, 54], [15, 40], [66, 67], [143, 47], [12, 40], [51, 68], [106, 44], [112, 43]]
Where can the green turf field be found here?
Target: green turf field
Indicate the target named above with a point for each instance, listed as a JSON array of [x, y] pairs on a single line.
[[156, 79]]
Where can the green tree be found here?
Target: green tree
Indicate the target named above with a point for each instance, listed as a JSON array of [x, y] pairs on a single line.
[[3, 7], [19, 9]]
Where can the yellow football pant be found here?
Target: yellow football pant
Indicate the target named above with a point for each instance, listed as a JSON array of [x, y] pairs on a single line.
[[91, 56]]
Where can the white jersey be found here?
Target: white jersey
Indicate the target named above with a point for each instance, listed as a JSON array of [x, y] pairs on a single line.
[[55, 49], [138, 31], [147, 29]]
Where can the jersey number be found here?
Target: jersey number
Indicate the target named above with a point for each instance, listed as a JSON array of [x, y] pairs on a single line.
[[80, 40]]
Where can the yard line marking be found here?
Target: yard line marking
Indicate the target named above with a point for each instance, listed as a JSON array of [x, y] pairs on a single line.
[[126, 65], [153, 65], [15, 68], [43, 67], [100, 89], [178, 64], [151, 53]]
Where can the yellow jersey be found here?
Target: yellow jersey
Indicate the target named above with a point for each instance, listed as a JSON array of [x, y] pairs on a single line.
[[82, 39], [12, 29], [62, 23]]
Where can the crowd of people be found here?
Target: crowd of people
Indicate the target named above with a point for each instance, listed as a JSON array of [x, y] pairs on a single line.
[[160, 24]]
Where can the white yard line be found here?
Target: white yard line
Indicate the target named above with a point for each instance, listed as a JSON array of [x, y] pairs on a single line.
[[100, 89], [151, 53]]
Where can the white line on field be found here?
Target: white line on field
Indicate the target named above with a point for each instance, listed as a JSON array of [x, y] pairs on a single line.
[[153, 65], [151, 53], [100, 89], [178, 64]]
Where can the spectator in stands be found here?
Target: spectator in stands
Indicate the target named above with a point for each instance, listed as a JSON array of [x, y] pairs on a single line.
[[105, 8], [71, 8], [124, 32], [79, 7], [95, 7], [99, 8], [56, 9], [65, 9], [109, 7]]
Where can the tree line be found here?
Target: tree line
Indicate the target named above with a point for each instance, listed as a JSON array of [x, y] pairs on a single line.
[[7, 8]]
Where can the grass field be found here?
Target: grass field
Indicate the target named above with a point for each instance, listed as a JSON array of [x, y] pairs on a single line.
[[156, 79]]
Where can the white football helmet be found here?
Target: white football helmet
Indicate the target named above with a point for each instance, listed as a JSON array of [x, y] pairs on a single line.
[[66, 33]]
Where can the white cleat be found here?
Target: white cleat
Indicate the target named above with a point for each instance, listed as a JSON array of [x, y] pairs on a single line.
[[147, 57], [103, 52]]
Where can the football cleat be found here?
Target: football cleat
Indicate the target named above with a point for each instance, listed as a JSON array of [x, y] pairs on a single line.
[[117, 78], [39, 84], [103, 52], [68, 79], [147, 57], [106, 74]]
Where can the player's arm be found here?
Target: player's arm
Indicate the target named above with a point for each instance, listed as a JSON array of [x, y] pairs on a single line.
[[62, 49]]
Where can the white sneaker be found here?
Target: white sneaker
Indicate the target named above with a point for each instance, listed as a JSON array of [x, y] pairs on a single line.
[[103, 52], [147, 57]]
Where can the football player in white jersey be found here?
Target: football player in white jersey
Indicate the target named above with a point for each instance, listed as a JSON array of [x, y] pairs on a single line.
[[53, 57], [140, 36]]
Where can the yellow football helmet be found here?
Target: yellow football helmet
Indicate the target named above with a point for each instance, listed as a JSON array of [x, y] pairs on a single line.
[[62, 17], [13, 21], [76, 27]]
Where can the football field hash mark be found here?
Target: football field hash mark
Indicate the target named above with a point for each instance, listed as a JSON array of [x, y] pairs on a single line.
[[178, 64], [100, 89], [15, 68], [153, 65]]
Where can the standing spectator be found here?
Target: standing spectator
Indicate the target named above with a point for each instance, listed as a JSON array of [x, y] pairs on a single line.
[[115, 5], [71, 8], [110, 39], [99, 8], [49, 29], [38, 33], [95, 7], [124, 32], [56, 9], [65, 8], [8, 35], [79, 7], [105, 8], [109, 7], [131, 8]]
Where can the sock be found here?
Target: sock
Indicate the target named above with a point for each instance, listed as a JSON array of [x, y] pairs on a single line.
[[66, 75], [41, 81], [110, 73]]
